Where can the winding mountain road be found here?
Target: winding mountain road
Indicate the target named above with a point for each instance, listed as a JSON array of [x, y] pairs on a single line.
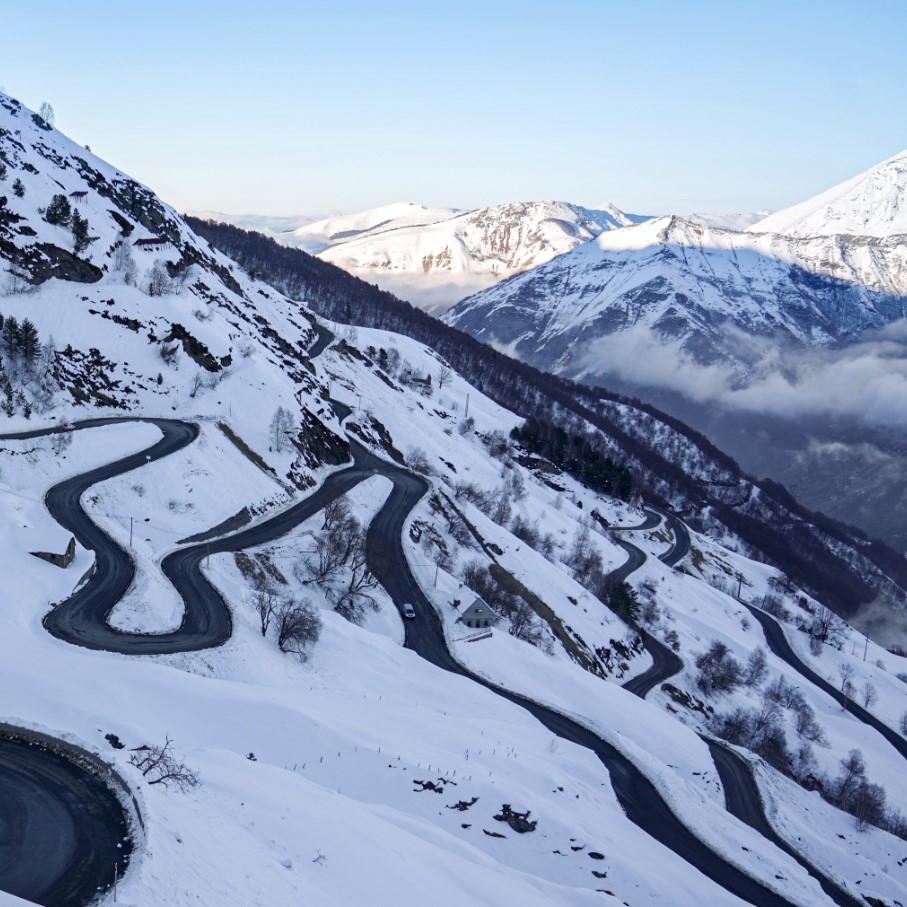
[[777, 642], [62, 829], [82, 620], [741, 790]]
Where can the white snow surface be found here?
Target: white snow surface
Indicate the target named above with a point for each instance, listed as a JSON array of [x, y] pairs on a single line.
[[873, 203], [327, 812], [433, 257], [730, 221]]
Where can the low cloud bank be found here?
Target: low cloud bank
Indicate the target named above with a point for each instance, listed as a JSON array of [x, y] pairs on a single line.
[[867, 379]]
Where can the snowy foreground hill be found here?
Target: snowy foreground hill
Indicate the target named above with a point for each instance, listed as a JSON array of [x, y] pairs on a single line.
[[351, 769], [433, 257]]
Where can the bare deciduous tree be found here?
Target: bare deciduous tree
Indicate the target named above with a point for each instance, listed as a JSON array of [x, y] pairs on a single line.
[[159, 766], [853, 768], [281, 426], [159, 281], [265, 603], [298, 627], [756, 667], [417, 460], [869, 694], [846, 672]]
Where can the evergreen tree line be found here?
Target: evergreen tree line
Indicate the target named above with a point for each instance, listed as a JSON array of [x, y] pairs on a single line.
[[60, 213], [577, 453], [26, 367], [833, 561]]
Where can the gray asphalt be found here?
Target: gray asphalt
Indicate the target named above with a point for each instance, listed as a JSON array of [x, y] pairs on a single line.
[[777, 642], [639, 798], [82, 620], [681, 547], [741, 791], [62, 829]]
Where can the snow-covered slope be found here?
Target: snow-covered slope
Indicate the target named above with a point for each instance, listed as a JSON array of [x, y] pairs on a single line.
[[314, 776], [729, 221], [709, 292], [270, 225], [434, 257], [871, 204]]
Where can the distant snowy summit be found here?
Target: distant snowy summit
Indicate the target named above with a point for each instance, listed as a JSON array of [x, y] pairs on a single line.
[[821, 272], [434, 257], [871, 204]]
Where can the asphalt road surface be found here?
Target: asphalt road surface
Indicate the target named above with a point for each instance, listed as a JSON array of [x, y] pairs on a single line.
[[82, 620], [741, 791], [681, 547], [424, 634], [777, 642], [62, 829]]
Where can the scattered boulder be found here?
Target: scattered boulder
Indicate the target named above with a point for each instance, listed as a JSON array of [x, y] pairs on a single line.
[[519, 822]]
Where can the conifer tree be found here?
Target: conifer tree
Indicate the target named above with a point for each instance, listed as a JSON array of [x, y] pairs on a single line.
[[28, 342], [58, 211], [79, 232], [11, 335]]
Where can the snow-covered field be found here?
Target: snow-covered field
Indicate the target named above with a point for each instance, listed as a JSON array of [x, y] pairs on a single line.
[[314, 774]]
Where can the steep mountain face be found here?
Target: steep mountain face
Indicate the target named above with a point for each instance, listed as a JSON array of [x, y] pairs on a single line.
[[673, 463], [156, 322], [127, 308], [435, 256], [737, 332], [871, 204], [699, 289]]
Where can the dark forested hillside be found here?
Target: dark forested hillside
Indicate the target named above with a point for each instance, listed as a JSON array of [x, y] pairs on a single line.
[[670, 463]]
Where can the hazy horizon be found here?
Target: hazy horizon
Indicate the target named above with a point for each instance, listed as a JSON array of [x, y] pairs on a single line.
[[291, 109]]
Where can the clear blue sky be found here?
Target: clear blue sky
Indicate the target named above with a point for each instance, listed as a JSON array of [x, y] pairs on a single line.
[[298, 107]]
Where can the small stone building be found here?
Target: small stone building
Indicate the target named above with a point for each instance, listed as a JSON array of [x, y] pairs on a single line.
[[477, 616]]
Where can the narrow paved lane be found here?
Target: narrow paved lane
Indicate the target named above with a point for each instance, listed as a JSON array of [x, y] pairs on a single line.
[[62, 829], [637, 795], [82, 620], [777, 642], [741, 790]]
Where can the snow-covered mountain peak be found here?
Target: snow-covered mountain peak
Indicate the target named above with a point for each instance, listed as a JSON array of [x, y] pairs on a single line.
[[435, 256], [871, 204]]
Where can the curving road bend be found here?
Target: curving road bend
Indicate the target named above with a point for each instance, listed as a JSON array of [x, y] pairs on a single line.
[[741, 790], [82, 620], [777, 642], [62, 829], [424, 634], [681, 547]]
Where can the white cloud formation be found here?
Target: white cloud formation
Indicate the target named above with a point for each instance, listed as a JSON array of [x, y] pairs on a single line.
[[867, 379]]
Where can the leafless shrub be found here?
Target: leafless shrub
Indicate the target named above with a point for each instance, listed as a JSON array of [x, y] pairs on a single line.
[[719, 671], [756, 667], [298, 627], [265, 603], [159, 766], [869, 694], [417, 460]]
